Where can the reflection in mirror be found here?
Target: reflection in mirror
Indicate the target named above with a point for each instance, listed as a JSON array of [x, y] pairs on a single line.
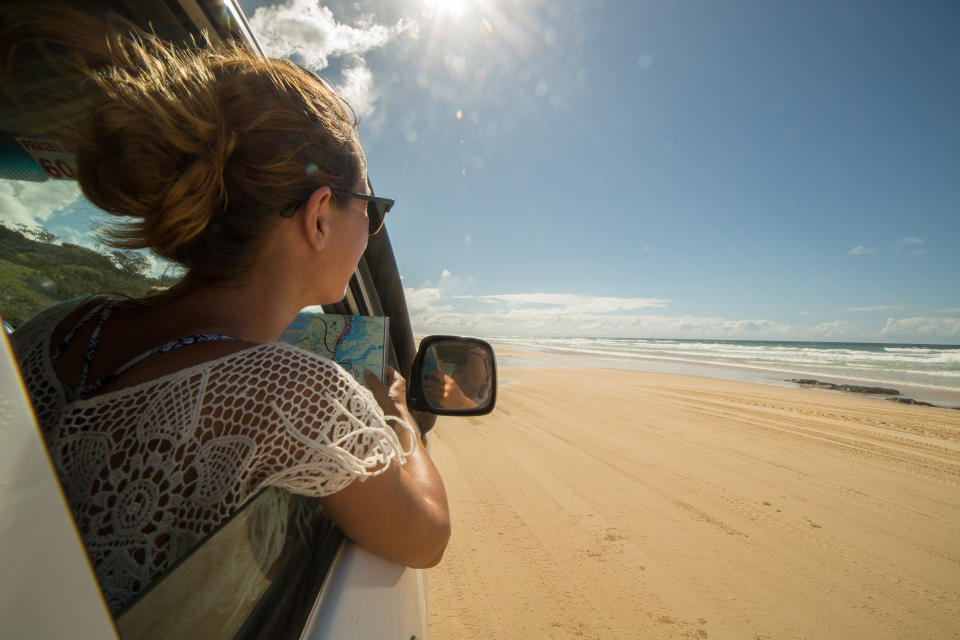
[[457, 375]]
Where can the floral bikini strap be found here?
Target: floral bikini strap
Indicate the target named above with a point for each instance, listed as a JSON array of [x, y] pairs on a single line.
[[104, 310], [83, 389]]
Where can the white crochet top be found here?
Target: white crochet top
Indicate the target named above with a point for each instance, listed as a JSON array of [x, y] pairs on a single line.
[[151, 469]]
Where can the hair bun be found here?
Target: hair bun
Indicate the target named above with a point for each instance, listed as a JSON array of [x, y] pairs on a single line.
[[196, 149], [159, 164]]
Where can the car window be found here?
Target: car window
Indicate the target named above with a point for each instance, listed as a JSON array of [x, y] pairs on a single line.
[[224, 589]]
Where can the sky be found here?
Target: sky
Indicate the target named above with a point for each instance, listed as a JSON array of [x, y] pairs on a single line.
[[722, 170]]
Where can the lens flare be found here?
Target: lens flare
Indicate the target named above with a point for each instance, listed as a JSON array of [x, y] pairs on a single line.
[[452, 8], [456, 63]]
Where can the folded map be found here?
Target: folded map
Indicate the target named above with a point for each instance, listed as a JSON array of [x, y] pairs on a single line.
[[356, 343]]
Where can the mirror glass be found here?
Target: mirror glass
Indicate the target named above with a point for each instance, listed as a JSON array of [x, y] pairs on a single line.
[[457, 375]]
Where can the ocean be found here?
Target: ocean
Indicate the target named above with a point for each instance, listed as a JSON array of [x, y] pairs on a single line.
[[922, 371]]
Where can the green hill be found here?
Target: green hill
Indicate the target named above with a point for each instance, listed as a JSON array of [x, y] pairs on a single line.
[[36, 274]]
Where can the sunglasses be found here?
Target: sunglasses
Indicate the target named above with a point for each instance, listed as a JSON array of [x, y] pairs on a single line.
[[377, 209]]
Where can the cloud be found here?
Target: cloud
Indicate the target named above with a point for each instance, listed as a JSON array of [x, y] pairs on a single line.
[[570, 303], [446, 307], [357, 89], [439, 298], [885, 307], [307, 32], [903, 243], [922, 328], [424, 301], [861, 251], [746, 326], [908, 241], [453, 286], [835, 330], [31, 203]]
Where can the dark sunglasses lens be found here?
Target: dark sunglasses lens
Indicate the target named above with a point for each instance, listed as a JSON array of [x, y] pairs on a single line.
[[375, 214]]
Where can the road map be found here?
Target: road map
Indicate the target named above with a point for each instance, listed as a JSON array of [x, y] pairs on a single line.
[[356, 343]]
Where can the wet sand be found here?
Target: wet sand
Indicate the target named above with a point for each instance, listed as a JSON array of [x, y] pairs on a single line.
[[621, 504]]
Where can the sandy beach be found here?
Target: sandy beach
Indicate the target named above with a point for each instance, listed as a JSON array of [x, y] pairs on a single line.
[[619, 504]]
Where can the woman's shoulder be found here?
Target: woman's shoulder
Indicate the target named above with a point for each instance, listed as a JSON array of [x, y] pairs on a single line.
[[37, 331]]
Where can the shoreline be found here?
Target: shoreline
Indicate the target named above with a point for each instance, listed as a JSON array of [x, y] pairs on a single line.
[[515, 356]]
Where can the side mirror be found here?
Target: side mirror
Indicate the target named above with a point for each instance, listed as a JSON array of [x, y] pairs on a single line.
[[453, 376]]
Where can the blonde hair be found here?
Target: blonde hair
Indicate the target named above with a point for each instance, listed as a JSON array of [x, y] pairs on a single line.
[[200, 146]]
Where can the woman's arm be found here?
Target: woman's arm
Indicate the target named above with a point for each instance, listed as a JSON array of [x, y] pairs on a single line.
[[401, 514]]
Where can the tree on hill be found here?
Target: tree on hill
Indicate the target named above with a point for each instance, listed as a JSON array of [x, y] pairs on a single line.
[[132, 263], [40, 234]]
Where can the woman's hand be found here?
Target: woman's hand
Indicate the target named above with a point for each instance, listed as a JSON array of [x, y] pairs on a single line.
[[391, 395], [446, 393]]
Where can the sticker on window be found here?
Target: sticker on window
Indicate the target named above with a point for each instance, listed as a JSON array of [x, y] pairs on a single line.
[[52, 157]]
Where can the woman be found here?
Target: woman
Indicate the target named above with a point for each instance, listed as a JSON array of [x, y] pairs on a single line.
[[164, 415]]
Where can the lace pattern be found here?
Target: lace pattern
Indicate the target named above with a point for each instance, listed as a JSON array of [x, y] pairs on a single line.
[[151, 469]]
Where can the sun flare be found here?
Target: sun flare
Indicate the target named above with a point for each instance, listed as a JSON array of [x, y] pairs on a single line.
[[453, 8]]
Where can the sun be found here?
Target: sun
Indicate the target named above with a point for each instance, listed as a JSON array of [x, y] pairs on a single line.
[[452, 8]]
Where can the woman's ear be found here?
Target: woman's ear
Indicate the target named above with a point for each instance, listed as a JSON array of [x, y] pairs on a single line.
[[315, 220]]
